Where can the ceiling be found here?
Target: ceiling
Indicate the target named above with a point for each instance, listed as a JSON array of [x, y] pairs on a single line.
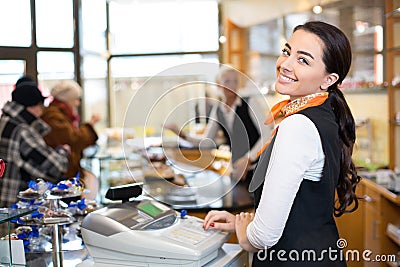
[[246, 13]]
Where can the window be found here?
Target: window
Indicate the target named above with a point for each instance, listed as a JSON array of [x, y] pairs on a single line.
[[150, 37], [54, 66], [55, 53], [94, 24], [163, 26], [15, 18], [10, 72], [54, 23], [181, 32], [152, 76]]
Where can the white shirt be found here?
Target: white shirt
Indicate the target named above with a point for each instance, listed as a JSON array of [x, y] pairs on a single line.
[[297, 154], [257, 116]]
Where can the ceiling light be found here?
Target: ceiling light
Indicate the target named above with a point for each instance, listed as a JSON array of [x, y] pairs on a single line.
[[317, 9]]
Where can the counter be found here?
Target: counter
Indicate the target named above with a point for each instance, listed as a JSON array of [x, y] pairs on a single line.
[[389, 195], [367, 227]]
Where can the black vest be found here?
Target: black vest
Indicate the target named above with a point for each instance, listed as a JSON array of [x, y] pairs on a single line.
[[243, 135], [310, 229]]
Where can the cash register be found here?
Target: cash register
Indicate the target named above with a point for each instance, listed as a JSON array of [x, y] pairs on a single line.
[[145, 232]]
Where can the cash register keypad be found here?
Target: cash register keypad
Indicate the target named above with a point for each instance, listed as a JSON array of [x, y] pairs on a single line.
[[189, 232]]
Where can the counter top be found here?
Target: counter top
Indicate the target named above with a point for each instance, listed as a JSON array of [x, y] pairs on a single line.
[[395, 198]]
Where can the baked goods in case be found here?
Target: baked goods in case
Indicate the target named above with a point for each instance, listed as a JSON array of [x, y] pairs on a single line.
[[29, 193], [68, 188], [159, 169]]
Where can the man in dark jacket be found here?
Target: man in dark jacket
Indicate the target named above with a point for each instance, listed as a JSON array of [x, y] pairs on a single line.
[[22, 146]]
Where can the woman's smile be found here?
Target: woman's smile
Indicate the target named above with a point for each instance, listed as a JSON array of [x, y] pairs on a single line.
[[285, 79]]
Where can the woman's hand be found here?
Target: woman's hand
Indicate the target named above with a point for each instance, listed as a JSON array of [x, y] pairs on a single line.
[[174, 128], [94, 119], [220, 220], [242, 220], [67, 148]]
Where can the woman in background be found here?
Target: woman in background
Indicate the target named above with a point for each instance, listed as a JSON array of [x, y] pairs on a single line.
[[239, 119], [63, 118], [307, 159]]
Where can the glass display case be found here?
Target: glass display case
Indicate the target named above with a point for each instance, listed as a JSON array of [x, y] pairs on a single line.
[[179, 177], [114, 170], [6, 216]]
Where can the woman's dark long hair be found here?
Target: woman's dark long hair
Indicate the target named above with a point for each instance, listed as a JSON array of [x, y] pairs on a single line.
[[337, 59]]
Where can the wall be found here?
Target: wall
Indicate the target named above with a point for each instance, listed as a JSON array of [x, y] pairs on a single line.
[[375, 107], [366, 105]]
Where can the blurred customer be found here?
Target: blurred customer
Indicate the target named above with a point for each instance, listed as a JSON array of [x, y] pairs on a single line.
[[25, 78], [22, 146], [207, 109], [241, 120], [63, 118]]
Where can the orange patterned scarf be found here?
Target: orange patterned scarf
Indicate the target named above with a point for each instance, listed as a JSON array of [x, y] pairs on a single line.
[[287, 107]]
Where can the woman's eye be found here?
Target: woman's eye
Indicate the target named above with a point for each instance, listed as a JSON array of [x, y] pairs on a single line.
[[285, 52], [303, 60]]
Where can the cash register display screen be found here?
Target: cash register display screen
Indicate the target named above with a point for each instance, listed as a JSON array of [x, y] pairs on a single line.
[[150, 209]]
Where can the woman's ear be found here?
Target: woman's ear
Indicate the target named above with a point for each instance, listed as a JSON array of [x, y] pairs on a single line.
[[329, 80]]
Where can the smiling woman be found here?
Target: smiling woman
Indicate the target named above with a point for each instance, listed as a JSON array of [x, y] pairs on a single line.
[[299, 67], [308, 158]]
